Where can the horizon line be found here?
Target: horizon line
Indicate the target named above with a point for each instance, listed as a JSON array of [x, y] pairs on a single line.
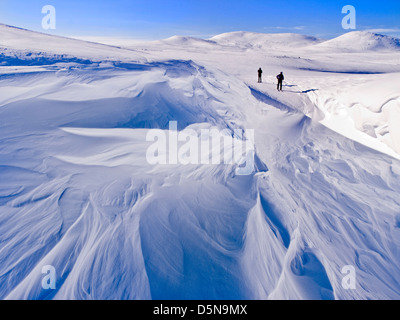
[[377, 31]]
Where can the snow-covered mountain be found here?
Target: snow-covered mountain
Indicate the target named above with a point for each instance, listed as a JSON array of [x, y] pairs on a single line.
[[183, 41], [77, 191], [361, 41], [264, 41], [236, 41]]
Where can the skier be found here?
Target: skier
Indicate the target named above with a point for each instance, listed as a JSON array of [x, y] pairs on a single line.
[[280, 78], [259, 75]]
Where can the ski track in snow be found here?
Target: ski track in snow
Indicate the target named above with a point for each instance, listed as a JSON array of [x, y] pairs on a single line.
[[77, 193]]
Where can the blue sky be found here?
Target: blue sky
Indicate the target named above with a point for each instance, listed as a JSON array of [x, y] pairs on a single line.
[[156, 19]]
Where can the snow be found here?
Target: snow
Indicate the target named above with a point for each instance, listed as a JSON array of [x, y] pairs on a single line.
[[23, 46], [362, 41], [77, 192], [262, 41]]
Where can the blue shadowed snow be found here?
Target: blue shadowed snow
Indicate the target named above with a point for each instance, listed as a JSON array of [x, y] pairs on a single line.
[[78, 193]]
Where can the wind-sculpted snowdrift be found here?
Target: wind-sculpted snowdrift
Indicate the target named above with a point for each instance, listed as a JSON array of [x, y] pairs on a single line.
[[78, 193]]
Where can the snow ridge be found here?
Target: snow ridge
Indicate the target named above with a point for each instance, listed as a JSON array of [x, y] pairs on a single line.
[[78, 193]]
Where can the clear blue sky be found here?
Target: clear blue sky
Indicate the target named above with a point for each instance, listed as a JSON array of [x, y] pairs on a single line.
[[155, 19]]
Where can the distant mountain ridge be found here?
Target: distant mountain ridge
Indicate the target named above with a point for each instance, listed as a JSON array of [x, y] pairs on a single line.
[[362, 41], [355, 41], [21, 39]]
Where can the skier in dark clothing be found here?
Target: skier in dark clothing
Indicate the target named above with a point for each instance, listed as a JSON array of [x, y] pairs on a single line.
[[280, 78], [259, 75]]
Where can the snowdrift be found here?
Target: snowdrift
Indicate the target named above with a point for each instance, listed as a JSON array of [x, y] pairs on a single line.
[[20, 46], [253, 40], [78, 193]]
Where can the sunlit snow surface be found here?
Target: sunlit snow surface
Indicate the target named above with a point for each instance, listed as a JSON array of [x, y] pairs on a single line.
[[77, 192]]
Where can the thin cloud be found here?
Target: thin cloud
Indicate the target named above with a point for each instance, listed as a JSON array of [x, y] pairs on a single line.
[[287, 28]]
